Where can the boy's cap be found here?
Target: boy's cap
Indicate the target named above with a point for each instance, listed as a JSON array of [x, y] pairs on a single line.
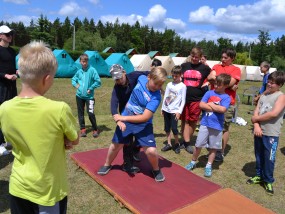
[[5, 29], [116, 71]]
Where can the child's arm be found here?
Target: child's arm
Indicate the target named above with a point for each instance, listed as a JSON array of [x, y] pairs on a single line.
[[69, 144], [140, 118], [256, 127], [277, 109], [217, 108]]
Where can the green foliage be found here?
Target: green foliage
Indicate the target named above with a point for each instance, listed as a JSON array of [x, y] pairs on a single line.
[[242, 59], [279, 63]]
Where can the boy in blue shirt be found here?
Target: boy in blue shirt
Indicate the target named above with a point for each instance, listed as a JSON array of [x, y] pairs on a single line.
[[85, 81], [214, 104], [136, 121]]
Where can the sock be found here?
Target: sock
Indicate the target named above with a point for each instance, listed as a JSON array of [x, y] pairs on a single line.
[[209, 165], [193, 161]]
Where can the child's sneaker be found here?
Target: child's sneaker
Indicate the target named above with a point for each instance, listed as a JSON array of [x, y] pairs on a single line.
[[83, 133], [176, 148], [104, 170], [208, 172], [130, 168], [158, 176], [254, 180], [268, 188], [3, 150], [189, 149], [167, 147], [95, 133], [190, 166], [219, 156]]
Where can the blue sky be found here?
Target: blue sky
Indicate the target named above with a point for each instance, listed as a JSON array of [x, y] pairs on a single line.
[[201, 19]]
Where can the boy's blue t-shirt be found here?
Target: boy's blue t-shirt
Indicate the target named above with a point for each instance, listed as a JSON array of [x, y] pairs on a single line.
[[141, 99], [264, 83], [215, 120]]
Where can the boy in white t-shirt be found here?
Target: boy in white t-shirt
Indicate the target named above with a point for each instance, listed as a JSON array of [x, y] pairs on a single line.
[[172, 107]]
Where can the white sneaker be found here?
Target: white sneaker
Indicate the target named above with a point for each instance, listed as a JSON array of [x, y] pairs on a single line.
[[3, 150]]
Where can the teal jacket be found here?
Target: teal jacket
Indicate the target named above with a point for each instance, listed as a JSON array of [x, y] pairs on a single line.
[[87, 79]]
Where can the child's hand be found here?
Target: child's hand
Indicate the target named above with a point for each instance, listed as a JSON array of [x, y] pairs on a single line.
[[161, 113], [254, 119], [121, 125], [117, 117], [67, 144], [88, 91], [177, 116], [257, 130]]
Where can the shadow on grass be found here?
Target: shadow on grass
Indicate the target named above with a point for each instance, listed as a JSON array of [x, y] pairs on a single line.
[[282, 150], [101, 128], [249, 169], [4, 196], [6, 160]]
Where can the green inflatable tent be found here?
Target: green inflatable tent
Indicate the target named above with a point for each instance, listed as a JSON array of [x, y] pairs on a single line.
[[66, 67], [121, 59], [96, 61]]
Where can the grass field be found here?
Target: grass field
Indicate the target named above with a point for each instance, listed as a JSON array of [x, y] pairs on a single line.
[[86, 196]]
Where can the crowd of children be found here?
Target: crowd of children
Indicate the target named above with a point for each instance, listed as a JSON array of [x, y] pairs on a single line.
[[40, 156]]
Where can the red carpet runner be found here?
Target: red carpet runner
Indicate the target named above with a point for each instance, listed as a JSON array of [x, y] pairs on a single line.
[[140, 193]]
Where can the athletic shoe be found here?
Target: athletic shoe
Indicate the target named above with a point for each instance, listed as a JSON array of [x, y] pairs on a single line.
[[182, 145], [158, 176], [8, 146], [190, 166], [208, 172], [137, 156], [104, 170], [83, 133], [254, 180], [189, 149], [3, 150], [268, 188], [176, 149], [167, 147], [219, 156], [130, 169], [95, 133]]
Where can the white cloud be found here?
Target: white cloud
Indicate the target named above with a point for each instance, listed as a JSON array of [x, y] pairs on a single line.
[[72, 9], [94, 1], [25, 19], [17, 1], [248, 19]]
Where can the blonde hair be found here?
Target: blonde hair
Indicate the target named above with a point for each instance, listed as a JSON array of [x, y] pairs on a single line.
[[158, 74], [36, 60]]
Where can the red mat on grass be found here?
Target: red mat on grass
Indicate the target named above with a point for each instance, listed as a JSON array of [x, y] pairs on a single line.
[[140, 193]]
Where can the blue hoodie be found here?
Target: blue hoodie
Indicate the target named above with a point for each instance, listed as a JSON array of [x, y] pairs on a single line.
[[87, 79]]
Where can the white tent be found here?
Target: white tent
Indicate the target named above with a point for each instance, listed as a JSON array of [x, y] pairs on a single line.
[[211, 63], [243, 71], [179, 60], [167, 63], [141, 62], [272, 70], [253, 73]]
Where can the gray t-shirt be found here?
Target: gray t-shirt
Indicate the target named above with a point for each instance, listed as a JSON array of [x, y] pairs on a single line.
[[270, 127]]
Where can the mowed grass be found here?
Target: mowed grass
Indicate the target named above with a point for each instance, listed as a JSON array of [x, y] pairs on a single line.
[[87, 196]]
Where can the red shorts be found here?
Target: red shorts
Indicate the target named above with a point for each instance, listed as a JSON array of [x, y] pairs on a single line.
[[191, 112]]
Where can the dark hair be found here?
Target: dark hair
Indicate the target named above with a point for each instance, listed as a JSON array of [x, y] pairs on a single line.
[[197, 51], [224, 79], [277, 77], [230, 52], [156, 62], [176, 70]]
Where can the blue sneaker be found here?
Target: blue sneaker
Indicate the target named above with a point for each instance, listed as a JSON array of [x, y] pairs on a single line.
[[190, 166], [208, 172]]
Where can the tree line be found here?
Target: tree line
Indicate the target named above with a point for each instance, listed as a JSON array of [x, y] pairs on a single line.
[[90, 35]]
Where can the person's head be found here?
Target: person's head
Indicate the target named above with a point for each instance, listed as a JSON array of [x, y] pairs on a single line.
[[228, 56], [37, 64], [84, 60], [176, 73], [155, 63], [6, 34], [156, 78], [223, 81], [275, 81], [195, 55], [118, 74], [264, 67], [204, 59]]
